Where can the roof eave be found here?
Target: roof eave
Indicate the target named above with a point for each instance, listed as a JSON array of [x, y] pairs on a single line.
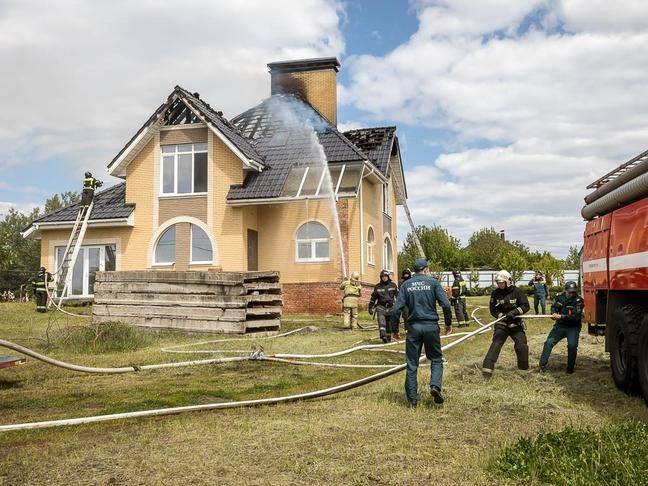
[[33, 231]]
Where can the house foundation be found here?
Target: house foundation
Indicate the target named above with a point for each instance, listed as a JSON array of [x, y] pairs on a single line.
[[219, 302], [318, 298]]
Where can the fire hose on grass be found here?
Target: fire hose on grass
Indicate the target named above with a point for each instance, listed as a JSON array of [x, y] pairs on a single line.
[[239, 404]]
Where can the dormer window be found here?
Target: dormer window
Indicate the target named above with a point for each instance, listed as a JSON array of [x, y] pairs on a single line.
[[184, 169]]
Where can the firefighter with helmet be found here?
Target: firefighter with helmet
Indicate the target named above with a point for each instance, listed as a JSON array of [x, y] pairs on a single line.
[[351, 290], [458, 299], [90, 184], [567, 311], [381, 302], [511, 303], [39, 286]]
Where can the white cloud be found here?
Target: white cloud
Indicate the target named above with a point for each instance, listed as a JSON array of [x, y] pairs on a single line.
[[537, 113], [79, 78]]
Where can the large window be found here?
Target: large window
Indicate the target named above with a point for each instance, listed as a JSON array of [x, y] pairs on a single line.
[[90, 260], [201, 249], [388, 255], [371, 246], [312, 242], [165, 247], [184, 169]]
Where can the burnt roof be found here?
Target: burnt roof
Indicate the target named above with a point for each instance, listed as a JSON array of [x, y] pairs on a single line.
[[108, 204], [216, 118], [284, 143], [376, 142]]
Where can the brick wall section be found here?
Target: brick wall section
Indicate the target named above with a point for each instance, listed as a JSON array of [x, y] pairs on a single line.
[[318, 298], [318, 87], [170, 208]]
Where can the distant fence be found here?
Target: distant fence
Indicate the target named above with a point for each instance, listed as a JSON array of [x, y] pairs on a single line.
[[487, 278], [15, 282]]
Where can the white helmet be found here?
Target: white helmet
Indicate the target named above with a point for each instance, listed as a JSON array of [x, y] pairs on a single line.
[[504, 276]]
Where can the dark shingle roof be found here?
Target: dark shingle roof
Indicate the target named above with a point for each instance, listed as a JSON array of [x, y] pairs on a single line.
[[108, 204], [224, 126], [376, 143], [276, 128]]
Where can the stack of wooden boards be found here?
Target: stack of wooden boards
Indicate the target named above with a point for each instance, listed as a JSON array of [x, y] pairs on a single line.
[[222, 302]]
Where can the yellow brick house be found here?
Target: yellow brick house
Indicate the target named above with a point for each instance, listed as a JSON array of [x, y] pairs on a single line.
[[200, 192]]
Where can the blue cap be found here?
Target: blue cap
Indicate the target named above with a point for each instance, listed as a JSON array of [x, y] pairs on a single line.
[[419, 264]]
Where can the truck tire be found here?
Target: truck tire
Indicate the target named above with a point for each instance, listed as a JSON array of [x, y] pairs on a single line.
[[623, 343], [642, 358]]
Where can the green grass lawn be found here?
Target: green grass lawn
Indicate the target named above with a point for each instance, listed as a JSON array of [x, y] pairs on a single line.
[[364, 436]]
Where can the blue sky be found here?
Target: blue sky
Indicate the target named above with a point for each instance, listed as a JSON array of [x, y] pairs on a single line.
[[505, 109]]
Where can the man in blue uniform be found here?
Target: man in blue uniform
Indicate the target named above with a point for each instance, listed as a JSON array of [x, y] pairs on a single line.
[[540, 292], [567, 311], [420, 294]]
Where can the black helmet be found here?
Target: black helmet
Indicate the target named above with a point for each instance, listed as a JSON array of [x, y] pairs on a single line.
[[41, 269], [571, 286], [406, 273], [385, 273], [88, 175], [456, 273]]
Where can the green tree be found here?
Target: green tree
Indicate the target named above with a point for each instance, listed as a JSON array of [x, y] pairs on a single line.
[[513, 260], [483, 248], [442, 250], [58, 201], [552, 268], [17, 253], [572, 262]]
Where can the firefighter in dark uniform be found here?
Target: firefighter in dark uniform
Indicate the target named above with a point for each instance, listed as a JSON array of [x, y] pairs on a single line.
[[509, 301], [540, 292], [90, 184], [567, 311], [381, 302], [421, 294], [405, 276], [39, 286], [458, 299]]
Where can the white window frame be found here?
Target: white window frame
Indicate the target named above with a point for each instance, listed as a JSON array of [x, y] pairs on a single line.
[[313, 244], [191, 260], [175, 154], [371, 247], [387, 260], [84, 252], [386, 206], [157, 241]]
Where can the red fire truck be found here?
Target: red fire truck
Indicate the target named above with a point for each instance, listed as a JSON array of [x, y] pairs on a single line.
[[614, 269]]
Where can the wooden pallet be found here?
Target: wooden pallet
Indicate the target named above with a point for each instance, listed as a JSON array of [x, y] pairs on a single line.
[[223, 302]]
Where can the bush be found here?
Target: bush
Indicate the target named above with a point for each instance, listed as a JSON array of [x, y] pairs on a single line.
[[104, 338], [613, 455]]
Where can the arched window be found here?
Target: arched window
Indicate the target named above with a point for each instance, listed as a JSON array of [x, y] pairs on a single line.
[[387, 254], [165, 247], [312, 242], [371, 246], [201, 248]]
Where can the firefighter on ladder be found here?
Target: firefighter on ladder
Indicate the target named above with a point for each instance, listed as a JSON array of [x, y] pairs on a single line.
[[458, 299], [39, 286], [90, 184]]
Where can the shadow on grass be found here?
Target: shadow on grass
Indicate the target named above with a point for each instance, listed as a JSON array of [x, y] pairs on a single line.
[[591, 384], [9, 385]]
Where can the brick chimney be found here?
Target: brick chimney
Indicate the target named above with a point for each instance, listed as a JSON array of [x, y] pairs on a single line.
[[314, 80]]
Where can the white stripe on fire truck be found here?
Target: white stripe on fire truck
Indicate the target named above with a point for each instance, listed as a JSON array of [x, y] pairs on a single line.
[[598, 265], [622, 262], [632, 260]]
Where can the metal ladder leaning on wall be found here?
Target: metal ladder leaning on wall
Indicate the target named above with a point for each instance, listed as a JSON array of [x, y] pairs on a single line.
[[63, 279]]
